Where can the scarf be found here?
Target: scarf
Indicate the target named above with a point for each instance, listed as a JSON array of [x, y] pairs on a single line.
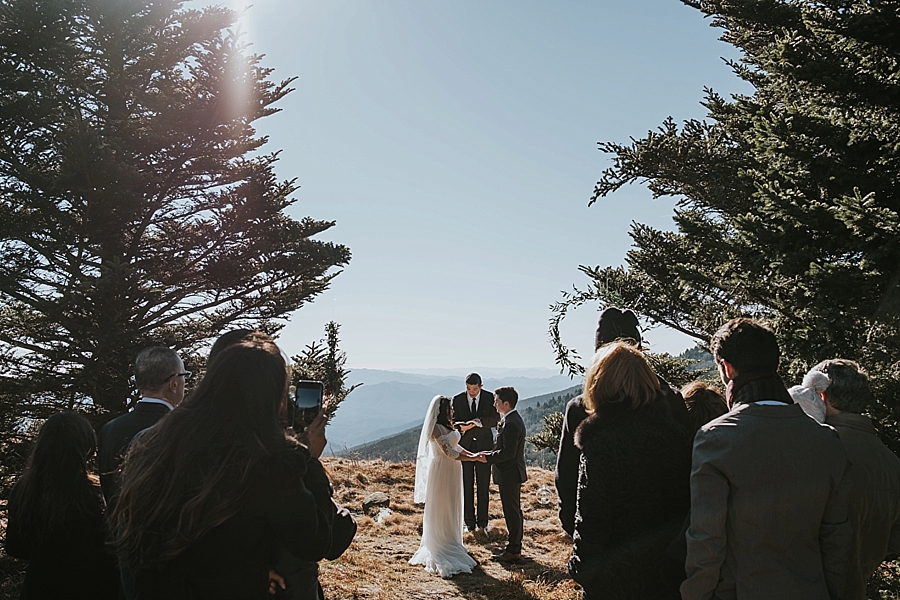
[[751, 387]]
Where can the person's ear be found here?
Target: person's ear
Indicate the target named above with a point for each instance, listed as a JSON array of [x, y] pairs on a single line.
[[729, 371]]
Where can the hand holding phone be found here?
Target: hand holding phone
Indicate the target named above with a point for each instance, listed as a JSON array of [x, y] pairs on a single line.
[[306, 403]]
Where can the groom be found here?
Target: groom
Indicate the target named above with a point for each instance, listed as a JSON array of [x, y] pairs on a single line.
[[474, 414], [508, 464]]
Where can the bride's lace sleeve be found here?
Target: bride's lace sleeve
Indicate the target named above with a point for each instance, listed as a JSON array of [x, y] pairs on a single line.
[[441, 437]]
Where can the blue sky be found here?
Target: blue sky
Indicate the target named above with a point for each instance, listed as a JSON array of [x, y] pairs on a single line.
[[455, 145]]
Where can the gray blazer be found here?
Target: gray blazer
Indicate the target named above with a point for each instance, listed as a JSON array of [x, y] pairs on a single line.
[[769, 508], [874, 499]]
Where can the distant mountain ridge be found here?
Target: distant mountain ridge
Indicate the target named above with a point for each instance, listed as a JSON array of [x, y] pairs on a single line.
[[393, 401]]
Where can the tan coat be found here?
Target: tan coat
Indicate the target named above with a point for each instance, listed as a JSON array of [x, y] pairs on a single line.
[[874, 499], [768, 508]]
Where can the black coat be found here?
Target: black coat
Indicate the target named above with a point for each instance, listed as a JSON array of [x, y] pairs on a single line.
[[477, 438], [287, 505], [568, 457], [633, 498], [73, 563], [115, 437], [507, 460], [301, 575]]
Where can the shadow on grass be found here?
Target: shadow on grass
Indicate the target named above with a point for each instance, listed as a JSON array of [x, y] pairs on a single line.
[[525, 580]]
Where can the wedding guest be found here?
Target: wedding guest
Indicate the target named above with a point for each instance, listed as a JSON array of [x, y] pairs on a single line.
[[614, 324], [438, 484], [704, 403], [476, 416], [874, 478], [211, 492], [507, 461], [160, 377], [299, 575], [56, 519], [809, 394], [633, 493], [769, 506], [226, 340]]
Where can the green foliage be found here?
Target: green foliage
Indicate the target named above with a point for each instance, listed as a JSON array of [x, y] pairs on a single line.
[[787, 205], [324, 361], [548, 437], [544, 423], [675, 370], [136, 205]]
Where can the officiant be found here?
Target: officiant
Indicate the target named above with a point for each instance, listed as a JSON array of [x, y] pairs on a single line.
[[474, 413]]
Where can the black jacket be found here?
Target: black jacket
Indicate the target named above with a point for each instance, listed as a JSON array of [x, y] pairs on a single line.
[[302, 575], [633, 497], [74, 563], [477, 438], [115, 437], [287, 504], [568, 457], [508, 457]]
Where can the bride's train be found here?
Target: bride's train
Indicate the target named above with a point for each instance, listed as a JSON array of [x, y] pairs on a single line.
[[446, 562]]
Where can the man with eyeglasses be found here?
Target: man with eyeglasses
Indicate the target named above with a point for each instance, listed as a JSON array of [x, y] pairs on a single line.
[[160, 377]]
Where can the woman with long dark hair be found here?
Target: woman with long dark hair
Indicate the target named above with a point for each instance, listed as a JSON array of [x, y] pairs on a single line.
[[439, 486], [214, 489], [56, 516], [633, 482]]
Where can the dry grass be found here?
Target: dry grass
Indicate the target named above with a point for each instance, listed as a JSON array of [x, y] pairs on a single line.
[[376, 566]]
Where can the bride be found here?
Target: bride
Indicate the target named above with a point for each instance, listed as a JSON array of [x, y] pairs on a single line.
[[439, 486]]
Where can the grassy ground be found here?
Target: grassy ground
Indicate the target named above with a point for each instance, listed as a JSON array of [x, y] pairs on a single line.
[[376, 566]]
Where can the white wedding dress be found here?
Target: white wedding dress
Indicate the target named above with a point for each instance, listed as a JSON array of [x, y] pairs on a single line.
[[439, 485]]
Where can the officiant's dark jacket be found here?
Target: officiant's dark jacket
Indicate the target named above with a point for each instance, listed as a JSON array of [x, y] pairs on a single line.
[[508, 458], [477, 438], [115, 437]]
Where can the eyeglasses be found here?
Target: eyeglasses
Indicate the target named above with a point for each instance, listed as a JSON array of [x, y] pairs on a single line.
[[186, 375]]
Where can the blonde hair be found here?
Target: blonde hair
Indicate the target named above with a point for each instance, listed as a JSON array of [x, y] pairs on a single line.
[[619, 373]]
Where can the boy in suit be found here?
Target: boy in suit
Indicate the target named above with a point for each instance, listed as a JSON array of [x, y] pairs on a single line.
[[507, 461]]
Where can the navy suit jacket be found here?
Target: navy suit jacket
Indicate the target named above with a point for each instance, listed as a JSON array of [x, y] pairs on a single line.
[[508, 457], [115, 437]]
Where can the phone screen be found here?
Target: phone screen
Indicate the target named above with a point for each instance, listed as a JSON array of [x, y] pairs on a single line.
[[308, 394]]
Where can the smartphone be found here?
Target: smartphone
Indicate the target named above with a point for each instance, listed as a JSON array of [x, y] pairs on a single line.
[[306, 400]]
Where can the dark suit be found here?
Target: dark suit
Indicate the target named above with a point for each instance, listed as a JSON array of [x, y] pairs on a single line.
[[115, 437], [507, 462], [476, 474]]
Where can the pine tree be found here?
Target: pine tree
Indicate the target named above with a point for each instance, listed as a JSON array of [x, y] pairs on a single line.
[[137, 205], [787, 205], [324, 361]]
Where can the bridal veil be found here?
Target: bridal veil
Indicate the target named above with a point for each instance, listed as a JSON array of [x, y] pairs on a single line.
[[425, 452]]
